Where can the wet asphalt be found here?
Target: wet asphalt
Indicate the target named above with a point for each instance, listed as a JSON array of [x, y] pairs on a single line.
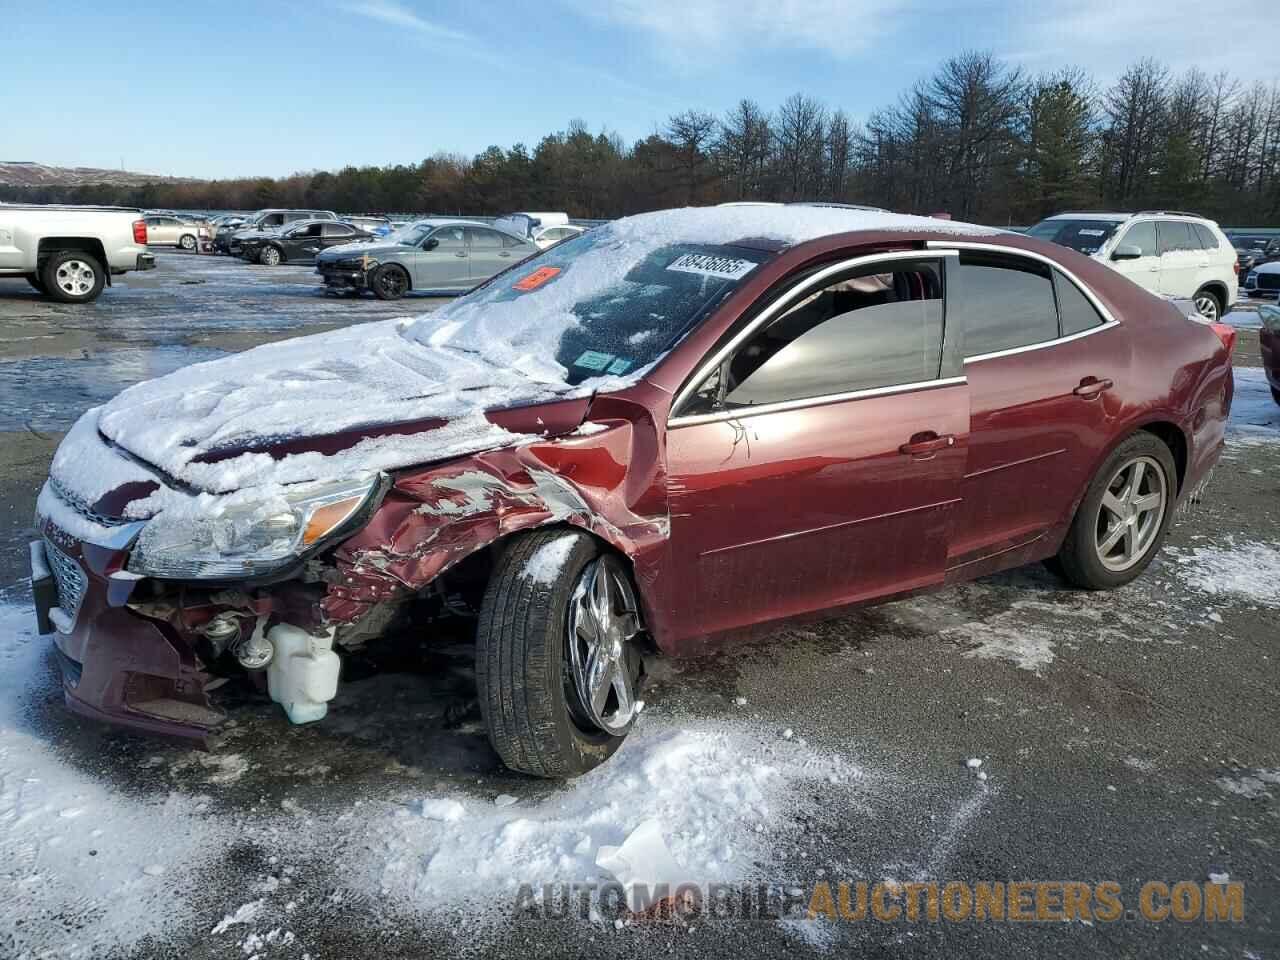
[[1105, 762]]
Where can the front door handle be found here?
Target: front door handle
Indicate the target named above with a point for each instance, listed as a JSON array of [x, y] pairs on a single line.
[[925, 445], [1091, 387], [459, 254]]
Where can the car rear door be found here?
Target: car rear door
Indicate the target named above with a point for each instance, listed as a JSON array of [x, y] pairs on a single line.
[[816, 459], [445, 265], [1145, 269], [1043, 362], [1180, 258], [486, 253]]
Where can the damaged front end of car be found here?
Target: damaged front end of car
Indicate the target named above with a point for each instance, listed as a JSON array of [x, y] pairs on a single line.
[[150, 616]]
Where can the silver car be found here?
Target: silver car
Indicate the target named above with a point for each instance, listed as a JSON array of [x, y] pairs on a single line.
[[444, 256], [164, 230]]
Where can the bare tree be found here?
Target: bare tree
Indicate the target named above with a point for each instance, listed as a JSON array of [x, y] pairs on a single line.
[[742, 149], [800, 128], [691, 133]]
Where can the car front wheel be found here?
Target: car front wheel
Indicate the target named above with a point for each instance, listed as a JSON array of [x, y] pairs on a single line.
[[269, 257], [558, 666], [1122, 519], [389, 282]]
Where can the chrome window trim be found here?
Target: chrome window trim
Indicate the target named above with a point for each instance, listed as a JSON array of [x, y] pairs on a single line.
[[1108, 320], [768, 313], [742, 413]]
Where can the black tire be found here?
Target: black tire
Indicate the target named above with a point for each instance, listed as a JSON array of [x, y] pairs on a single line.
[[187, 242], [523, 676], [1078, 558], [389, 282], [86, 289], [267, 252], [1275, 395], [35, 281], [1217, 305]]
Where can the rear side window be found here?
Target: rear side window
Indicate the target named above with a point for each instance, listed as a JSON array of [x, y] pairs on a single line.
[[1003, 303], [871, 329], [1075, 312], [1207, 240], [1176, 236], [483, 240], [1143, 236]]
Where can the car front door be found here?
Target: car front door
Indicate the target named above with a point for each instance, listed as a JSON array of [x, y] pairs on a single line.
[[816, 459], [442, 265], [1144, 269], [1041, 361], [1180, 259], [302, 243]]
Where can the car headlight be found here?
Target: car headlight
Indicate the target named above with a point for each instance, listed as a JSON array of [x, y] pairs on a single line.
[[250, 539]]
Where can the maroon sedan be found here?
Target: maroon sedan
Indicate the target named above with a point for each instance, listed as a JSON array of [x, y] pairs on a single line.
[[1269, 341], [666, 434]]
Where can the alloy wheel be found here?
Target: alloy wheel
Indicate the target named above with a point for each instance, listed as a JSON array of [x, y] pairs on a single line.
[[75, 278], [187, 242], [1131, 514], [603, 621], [1207, 306], [270, 256]]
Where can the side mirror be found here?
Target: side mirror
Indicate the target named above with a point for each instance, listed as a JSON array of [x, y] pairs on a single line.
[[1126, 251], [430, 243]]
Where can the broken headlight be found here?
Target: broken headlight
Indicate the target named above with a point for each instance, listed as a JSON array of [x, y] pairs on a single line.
[[249, 539]]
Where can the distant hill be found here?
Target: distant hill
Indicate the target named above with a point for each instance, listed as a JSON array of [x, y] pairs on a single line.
[[19, 173]]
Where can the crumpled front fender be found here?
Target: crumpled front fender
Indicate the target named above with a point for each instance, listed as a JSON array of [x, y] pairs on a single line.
[[605, 478]]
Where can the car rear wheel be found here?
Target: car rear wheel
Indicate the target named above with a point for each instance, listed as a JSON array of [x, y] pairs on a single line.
[[73, 276], [389, 282], [1122, 520], [558, 667], [1206, 302], [269, 256], [187, 242]]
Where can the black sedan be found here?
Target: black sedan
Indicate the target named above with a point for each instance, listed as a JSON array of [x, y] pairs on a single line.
[[300, 242]]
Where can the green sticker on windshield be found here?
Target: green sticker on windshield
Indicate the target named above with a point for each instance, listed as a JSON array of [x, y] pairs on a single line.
[[619, 366], [593, 360]]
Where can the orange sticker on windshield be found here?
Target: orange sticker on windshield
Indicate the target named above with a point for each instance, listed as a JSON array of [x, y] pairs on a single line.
[[536, 279]]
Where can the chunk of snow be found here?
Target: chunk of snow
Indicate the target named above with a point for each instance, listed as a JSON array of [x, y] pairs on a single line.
[[547, 563], [449, 811], [1219, 878], [245, 913], [643, 864], [504, 800], [973, 763], [788, 733]]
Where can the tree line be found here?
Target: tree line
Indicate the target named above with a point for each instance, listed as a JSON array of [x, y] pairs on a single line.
[[979, 139]]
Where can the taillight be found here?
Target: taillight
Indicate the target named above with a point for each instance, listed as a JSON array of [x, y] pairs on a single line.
[[1227, 334], [140, 231], [1235, 265]]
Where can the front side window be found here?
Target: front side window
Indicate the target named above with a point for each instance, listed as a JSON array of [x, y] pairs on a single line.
[[1143, 236], [449, 239], [1003, 303], [880, 326]]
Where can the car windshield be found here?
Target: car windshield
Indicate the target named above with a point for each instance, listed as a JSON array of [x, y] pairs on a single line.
[[411, 234], [592, 306], [1086, 236]]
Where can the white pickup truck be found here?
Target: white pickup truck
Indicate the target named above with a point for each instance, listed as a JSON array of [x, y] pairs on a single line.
[[70, 253]]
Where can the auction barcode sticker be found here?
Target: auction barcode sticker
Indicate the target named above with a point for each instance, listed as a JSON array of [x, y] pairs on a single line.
[[727, 268]]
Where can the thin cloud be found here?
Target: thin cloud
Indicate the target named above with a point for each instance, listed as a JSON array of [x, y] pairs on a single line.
[[398, 15]]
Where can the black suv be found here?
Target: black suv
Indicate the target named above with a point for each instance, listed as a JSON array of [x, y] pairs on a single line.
[[300, 242]]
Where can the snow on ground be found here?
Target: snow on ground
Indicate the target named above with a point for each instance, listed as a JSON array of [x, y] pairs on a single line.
[[1250, 571], [88, 869], [721, 797], [1254, 412]]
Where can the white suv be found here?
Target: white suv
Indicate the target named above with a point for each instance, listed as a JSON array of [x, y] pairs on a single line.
[[1169, 253]]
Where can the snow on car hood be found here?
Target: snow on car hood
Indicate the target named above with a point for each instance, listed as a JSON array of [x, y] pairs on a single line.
[[222, 425]]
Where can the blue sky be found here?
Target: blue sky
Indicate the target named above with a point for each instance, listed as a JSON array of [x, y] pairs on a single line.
[[229, 88]]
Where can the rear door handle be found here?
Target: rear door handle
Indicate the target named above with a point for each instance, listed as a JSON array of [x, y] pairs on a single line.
[[925, 445], [459, 254], [1092, 387]]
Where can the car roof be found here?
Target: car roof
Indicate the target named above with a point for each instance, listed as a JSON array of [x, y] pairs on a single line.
[[1121, 217]]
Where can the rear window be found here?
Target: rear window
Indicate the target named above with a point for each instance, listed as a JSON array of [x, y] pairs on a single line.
[[1086, 236]]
